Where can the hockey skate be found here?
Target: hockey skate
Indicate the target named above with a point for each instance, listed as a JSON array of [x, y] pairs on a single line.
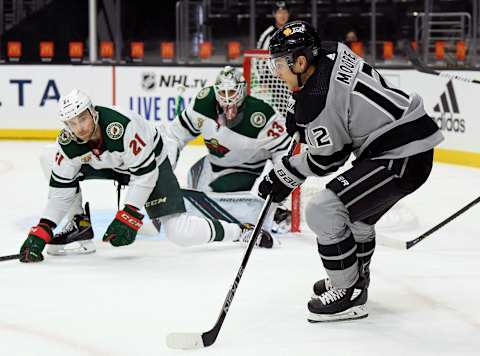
[[282, 220], [265, 239], [334, 304], [76, 237]]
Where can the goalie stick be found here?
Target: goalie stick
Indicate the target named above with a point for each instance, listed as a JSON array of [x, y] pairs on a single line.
[[405, 245], [188, 341], [421, 67]]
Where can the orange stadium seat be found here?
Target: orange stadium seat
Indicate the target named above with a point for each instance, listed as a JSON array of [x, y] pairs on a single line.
[[357, 48], [461, 51], [439, 50], [75, 51], [47, 51], [167, 50], [137, 51], [233, 50], [387, 50], [106, 50], [205, 50], [14, 50], [414, 45]]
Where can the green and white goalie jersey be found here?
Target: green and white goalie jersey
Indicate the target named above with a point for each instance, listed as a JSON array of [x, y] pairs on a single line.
[[258, 134]]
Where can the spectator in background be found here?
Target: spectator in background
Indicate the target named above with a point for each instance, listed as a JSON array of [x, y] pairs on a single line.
[[351, 36], [281, 16]]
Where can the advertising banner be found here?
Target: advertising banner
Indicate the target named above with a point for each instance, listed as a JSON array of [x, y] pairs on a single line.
[[29, 94], [152, 92]]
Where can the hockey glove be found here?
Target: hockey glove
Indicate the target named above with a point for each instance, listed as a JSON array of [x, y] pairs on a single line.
[[123, 229], [31, 250], [280, 181]]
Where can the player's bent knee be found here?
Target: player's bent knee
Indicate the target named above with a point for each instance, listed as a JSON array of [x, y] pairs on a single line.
[[326, 215], [177, 229]]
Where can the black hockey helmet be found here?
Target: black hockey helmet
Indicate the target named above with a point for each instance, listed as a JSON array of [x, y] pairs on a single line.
[[279, 5], [294, 39]]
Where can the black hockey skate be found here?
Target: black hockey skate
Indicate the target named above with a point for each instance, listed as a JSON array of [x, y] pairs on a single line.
[[265, 239], [75, 238], [333, 304]]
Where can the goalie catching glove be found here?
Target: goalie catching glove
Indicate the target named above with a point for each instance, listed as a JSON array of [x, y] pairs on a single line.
[[123, 229], [38, 237], [280, 181]]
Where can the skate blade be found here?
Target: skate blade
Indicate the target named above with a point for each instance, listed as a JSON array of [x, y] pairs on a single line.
[[356, 312], [75, 248]]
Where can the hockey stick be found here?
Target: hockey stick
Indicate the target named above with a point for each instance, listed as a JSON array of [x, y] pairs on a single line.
[[10, 257], [405, 245], [188, 341], [421, 67]]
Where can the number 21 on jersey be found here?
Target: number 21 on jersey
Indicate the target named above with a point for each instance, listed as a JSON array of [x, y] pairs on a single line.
[[136, 144]]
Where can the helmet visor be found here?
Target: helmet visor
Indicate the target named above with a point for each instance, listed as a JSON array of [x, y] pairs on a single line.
[[278, 65]]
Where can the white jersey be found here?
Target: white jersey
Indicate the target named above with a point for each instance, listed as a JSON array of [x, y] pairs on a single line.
[[129, 145], [258, 135]]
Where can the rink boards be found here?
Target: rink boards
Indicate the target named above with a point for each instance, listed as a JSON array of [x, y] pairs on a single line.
[[29, 93]]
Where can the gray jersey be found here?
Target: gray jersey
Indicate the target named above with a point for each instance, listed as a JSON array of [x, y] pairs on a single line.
[[347, 107]]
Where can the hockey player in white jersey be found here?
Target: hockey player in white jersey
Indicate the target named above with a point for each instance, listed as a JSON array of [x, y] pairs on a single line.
[[110, 143], [342, 105], [241, 134]]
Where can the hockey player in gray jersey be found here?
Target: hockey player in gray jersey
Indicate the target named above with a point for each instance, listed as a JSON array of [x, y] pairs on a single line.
[[111, 143], [342, 105]]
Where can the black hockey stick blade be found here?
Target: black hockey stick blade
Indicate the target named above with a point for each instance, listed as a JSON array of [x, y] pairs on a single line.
[[9, 257], [187, 341], [405, 245]]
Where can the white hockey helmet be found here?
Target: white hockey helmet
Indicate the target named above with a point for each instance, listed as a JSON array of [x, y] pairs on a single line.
[[229, 87], [73, 104]]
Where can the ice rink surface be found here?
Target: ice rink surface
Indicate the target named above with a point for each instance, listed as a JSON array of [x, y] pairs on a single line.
[[124, 301]]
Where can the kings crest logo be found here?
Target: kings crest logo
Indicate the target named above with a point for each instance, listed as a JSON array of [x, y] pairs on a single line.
[[114, 130], [215, 148]]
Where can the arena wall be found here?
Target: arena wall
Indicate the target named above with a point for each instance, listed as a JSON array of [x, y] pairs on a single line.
[[29, 94]]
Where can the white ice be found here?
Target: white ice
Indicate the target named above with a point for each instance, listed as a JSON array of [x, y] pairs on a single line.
[[124, 301]]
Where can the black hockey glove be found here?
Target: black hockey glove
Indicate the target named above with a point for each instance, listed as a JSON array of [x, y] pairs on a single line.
[[280, 181]]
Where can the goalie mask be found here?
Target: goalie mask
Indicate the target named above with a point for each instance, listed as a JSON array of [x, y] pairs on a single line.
[[230, 94], [70, 108]]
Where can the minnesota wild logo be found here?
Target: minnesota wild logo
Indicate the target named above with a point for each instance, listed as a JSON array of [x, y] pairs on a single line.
[[115, 130], [65, 137], [215, 148]]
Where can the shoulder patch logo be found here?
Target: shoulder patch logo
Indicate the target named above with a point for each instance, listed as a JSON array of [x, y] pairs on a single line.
[[115, 130], [258, 119], [203, 93], [64, 138]]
